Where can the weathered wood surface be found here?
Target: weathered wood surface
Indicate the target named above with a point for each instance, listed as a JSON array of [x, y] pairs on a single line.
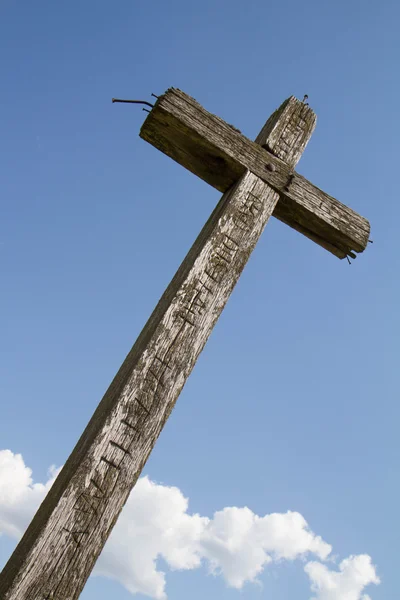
[[60, 547], [219, 154], [288, 131]]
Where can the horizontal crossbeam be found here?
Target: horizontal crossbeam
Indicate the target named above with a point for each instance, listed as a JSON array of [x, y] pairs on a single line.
[[220, 154]]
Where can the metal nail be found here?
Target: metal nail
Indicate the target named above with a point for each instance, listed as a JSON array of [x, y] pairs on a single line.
[[133, 102]]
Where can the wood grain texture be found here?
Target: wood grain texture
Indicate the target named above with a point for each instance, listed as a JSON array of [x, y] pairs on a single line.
[[288, 131], [219, 154], [60, 547]]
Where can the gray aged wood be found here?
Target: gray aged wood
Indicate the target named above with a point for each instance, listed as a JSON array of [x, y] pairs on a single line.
[[219, 154], [60, 547], [288, 131]]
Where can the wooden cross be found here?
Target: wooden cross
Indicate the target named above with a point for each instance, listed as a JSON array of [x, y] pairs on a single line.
[[61, 545]]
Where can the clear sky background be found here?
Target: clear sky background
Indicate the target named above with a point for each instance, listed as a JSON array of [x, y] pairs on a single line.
[[293, 404]]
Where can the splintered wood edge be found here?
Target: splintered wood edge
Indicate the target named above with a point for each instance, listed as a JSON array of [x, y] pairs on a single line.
[[219, 154], [288, 131]]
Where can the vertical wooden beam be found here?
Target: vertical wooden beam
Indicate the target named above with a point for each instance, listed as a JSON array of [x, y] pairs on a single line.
[[60, 547]]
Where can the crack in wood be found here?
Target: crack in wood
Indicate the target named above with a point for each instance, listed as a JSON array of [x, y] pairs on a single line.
[[125, 422], [74, 535], [116, 445], [98, 488], [110, 463], [136, 399]]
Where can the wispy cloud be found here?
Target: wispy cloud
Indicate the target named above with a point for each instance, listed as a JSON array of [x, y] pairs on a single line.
[[235, 543]]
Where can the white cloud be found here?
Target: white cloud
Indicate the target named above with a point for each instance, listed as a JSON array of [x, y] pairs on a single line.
[[355, 573], [154, 519], [239, 543], [235, 543], [19, 496]]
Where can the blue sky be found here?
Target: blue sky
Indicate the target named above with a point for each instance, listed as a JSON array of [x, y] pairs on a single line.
[[293, 405]]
